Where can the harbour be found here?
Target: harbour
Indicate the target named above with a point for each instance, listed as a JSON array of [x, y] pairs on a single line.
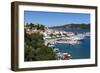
[[74, 46]]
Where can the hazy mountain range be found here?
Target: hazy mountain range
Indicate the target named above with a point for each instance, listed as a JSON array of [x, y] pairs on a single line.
[[71, 26]]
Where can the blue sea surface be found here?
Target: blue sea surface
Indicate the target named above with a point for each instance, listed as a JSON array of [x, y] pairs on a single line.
[[77, 51], [78, 30]]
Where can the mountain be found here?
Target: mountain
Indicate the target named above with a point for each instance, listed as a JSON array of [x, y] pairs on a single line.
[[72, 26]]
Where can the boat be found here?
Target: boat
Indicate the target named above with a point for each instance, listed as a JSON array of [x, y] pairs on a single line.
[[59, 56], [50, 45], [66, 56], [78, 37], [56, 50]]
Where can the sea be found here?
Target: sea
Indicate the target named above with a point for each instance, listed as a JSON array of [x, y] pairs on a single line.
[[77, 51]]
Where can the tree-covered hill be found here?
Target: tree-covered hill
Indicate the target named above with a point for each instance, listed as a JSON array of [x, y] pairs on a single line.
[[72, 26]]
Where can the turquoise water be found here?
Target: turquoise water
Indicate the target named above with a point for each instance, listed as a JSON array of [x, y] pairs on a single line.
[[77, 51]]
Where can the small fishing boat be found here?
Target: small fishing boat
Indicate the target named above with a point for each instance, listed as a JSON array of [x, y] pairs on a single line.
[[66, 56]]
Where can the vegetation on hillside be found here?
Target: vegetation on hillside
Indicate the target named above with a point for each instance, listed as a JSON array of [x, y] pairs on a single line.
[[37, 26], [35, 50]]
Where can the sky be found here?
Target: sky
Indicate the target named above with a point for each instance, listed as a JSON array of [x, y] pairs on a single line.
[[50, 19]]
